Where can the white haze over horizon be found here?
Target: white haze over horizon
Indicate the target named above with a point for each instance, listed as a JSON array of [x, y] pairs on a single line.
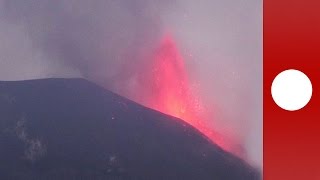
[[220, 40]]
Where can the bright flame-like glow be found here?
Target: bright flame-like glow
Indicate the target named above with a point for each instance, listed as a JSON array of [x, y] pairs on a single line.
[[171, 93]]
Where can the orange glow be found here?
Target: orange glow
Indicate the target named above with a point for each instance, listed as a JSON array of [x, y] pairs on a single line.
[[170, 92]]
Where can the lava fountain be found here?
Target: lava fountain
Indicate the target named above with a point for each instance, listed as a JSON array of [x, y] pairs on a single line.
[[169, 91]]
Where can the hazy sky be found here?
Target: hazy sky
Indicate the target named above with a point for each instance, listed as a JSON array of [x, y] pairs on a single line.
[[220, 40]]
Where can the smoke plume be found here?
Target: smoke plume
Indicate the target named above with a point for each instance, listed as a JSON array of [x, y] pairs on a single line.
[[112, 42]]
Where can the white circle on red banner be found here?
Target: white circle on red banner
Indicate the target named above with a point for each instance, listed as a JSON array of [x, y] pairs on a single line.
[[291, 90]]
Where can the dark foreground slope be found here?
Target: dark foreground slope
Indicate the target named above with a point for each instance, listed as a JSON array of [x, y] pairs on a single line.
[[72, 129]]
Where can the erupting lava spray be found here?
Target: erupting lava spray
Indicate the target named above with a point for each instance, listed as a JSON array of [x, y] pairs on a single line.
[[169, 91]]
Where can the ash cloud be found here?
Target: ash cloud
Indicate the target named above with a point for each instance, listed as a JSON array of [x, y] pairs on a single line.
[[92, 38], [110, 42], [222, 45]]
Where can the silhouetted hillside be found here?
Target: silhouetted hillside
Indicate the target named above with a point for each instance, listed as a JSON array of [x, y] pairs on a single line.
[[75, 130]]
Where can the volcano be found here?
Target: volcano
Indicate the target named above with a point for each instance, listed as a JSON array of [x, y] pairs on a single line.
[[75, 129]]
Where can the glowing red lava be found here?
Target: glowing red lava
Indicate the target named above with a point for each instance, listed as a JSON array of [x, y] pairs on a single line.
[[171, 93]]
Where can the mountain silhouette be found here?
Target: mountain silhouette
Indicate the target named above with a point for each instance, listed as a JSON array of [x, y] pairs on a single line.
[[72, 129]]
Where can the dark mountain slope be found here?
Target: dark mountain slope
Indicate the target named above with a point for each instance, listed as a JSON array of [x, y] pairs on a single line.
[[74, 129]]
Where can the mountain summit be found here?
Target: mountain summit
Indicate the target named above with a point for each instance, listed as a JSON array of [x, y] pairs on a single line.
[[73, 129]]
